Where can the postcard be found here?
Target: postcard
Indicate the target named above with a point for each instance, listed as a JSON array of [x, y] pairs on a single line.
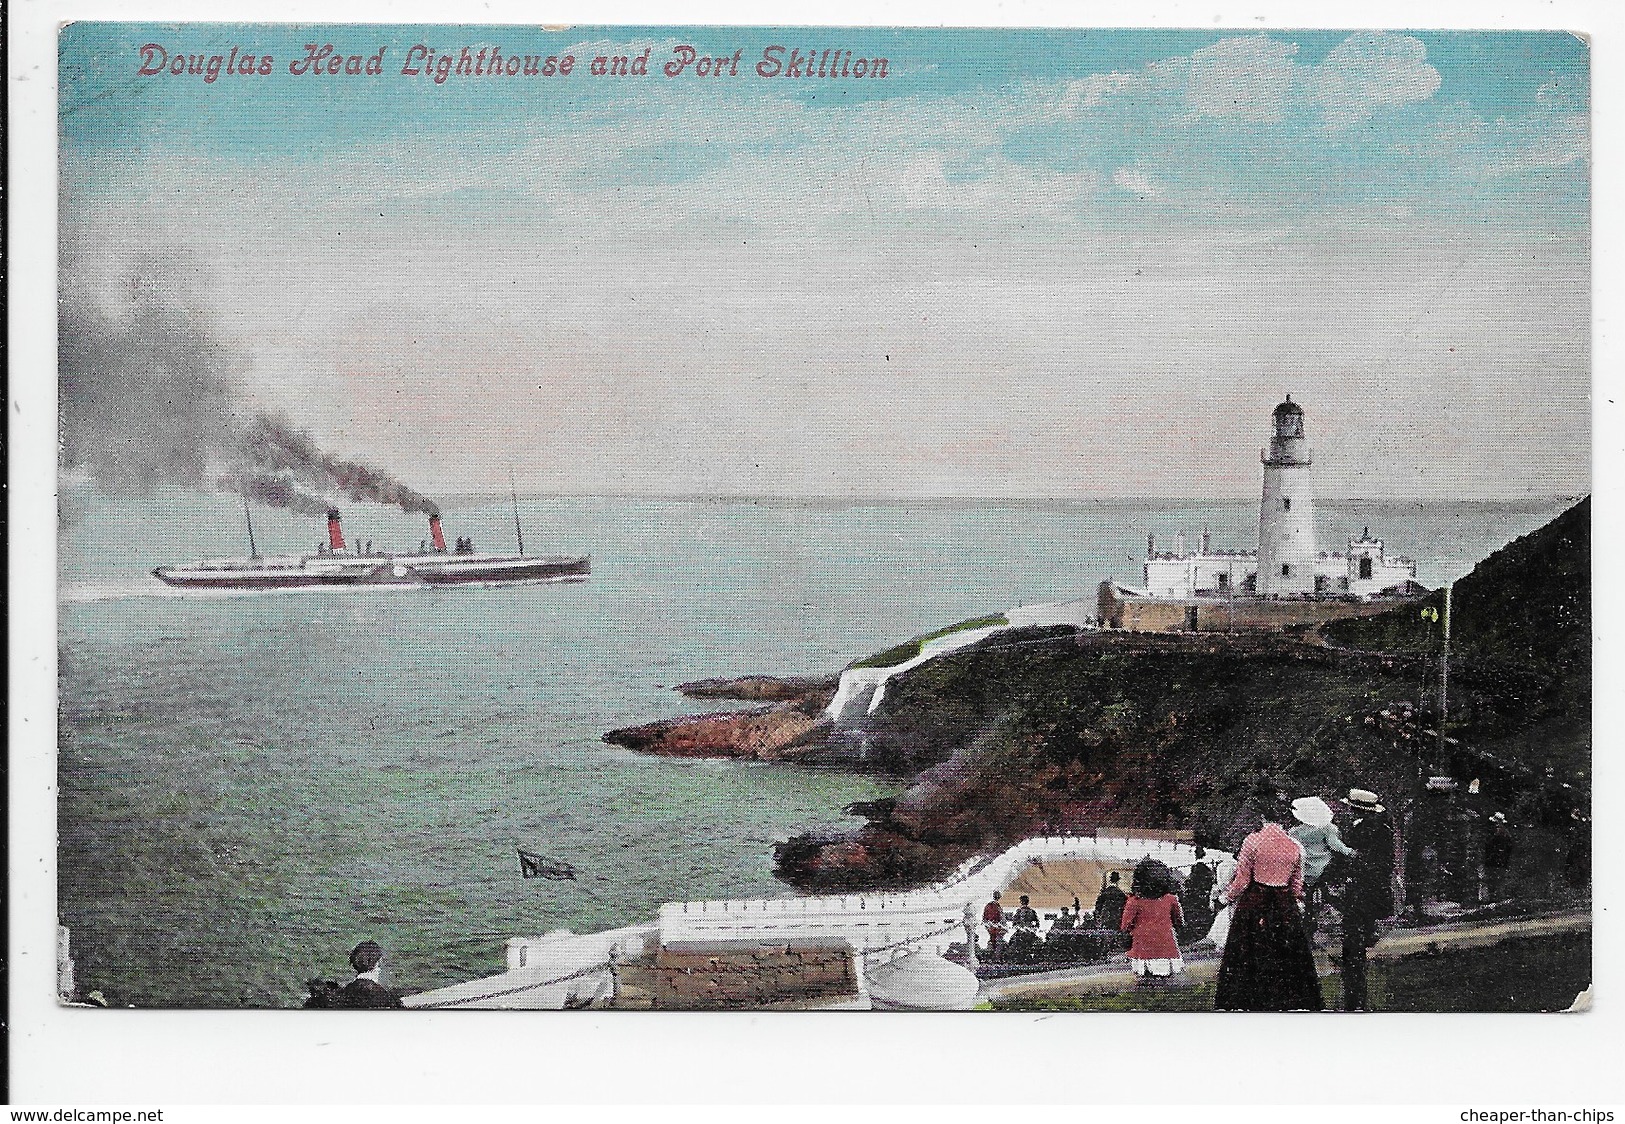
[[774, 519]]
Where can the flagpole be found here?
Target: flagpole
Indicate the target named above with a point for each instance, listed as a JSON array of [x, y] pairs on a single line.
[[1444, 672]]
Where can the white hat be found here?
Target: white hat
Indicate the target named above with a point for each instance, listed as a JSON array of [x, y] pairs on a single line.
[[1364, 800], [1312, 810]]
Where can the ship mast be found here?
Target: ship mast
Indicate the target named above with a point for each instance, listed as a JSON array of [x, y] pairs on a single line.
[[253, 550], [518, 531]]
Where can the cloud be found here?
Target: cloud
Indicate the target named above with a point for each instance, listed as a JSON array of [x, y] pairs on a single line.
[[1086, 93], [1135, 182], [1521, 154], [1249, 129], [1369, 72], [1257, 79], [1530, 148], [1566, 95], [1250, 79]]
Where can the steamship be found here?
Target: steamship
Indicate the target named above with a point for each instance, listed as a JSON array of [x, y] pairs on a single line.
[[339, 564]]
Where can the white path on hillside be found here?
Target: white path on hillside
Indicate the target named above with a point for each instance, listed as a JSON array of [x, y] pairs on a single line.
[[547, 972], [867, 685], [862, 688]]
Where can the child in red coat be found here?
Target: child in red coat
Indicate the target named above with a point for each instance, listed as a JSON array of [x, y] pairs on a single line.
[[1151, 916]]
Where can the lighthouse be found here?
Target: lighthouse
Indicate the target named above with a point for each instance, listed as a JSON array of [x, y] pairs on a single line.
[[1286, 515], [1287, 582]]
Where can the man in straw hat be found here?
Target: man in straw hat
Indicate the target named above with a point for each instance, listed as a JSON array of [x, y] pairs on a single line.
[[1370, 894]]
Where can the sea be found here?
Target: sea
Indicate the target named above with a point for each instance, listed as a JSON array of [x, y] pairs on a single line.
[[252, 782]]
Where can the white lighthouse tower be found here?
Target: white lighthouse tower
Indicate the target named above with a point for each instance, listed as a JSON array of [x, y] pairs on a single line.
[[1286, 517]]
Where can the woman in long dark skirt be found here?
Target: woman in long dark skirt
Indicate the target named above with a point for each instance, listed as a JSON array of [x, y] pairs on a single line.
[[1268, 964]]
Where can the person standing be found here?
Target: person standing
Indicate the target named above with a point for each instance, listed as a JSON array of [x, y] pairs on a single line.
[[1196, 902], [1151, 916], [1320, 840], [1267, 963], [1497, 856], [1219, 931], [1577, 855], [365, 992], [1109, 904], [1369, 897], [1024, 943], [993, 918]]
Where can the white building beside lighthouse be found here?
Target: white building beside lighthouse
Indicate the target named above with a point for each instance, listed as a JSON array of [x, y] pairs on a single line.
[[1189, 588]]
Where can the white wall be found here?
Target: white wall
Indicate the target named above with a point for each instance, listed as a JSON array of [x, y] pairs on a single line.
[[1197, 574], [930, 918], [1386, 572]]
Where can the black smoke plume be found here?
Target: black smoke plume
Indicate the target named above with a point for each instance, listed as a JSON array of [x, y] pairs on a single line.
[[275, 446], [274, 491], [149, 395]]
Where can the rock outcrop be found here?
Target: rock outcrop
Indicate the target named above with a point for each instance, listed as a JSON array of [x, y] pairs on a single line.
[[789, 730], [764, 734], [761, 688]]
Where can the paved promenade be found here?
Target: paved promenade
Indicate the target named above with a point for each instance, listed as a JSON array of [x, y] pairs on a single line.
[[1203, 966]]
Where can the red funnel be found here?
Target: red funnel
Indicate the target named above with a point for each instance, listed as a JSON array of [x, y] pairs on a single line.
[[335, 533], [434, 533]]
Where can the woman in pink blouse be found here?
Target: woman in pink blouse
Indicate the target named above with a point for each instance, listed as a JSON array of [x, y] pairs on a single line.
[[1268, 964]]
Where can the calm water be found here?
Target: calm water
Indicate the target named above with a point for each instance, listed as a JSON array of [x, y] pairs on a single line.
[[251, 783]]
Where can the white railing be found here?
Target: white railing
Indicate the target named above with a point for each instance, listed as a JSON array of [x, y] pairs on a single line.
[[548, 972], [563, 967], [871, 919]]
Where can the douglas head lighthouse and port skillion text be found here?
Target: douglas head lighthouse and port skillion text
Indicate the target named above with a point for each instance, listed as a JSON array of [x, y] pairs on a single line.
[[422, 61]]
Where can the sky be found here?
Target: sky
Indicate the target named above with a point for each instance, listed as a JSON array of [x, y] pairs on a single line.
[[1023, 264]]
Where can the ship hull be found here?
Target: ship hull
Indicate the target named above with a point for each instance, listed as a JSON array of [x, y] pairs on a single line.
[[327, 571], [518, 570], [178, 576]]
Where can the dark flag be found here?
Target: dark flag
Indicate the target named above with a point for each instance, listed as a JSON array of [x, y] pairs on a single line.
[[539, 866]]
